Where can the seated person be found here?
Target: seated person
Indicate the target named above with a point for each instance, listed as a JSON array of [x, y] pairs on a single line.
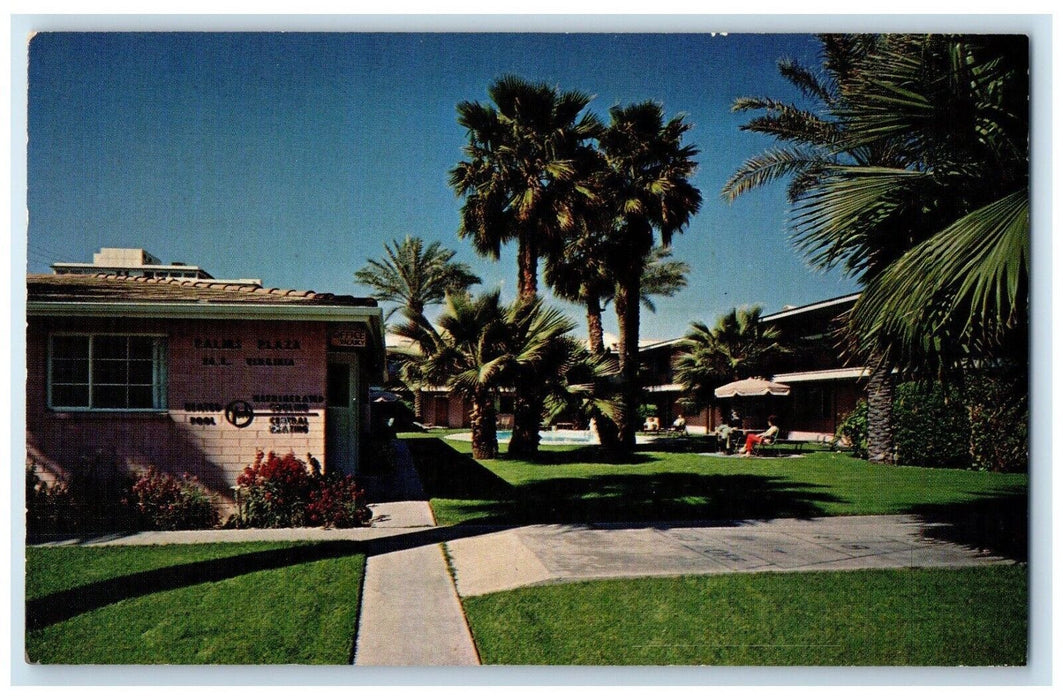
[[680, 424], [652, 425], [767, 437], [728, 437]]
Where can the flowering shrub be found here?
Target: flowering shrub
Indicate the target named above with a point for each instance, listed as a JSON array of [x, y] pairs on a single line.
[[165, 502], [48, 506], [338, 502], [91, 496], [285, 492]]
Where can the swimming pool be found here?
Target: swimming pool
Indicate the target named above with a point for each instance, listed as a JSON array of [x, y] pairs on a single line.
[[546, 437]]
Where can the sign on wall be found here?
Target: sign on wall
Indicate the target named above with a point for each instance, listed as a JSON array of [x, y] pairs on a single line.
[[352, 337]]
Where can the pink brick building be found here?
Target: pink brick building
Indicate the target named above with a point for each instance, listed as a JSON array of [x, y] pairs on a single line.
[[195, 376]]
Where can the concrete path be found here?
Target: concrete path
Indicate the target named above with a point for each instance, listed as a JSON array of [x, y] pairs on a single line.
[[411, 614], [555, 553]]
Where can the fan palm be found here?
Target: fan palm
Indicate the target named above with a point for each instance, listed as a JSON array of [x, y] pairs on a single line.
[[649, 192], [737, 346], [525, 173], [527, 177], [958, 107], [478, 346], [936, 224], [815, 148]]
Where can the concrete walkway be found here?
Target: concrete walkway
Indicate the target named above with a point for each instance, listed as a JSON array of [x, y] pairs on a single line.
[[411, 614], [554, 553]]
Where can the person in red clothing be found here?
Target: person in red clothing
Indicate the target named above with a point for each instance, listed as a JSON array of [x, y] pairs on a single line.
[[767, 436]]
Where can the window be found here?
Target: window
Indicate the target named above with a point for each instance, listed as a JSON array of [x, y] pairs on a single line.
[[107, 372]]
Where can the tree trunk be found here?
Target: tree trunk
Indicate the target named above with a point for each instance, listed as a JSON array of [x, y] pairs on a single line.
[[527, 415], [527, 268], [880, 414], [527, 405], [627, 316], [595, 333], [418, 405], [484, 434]]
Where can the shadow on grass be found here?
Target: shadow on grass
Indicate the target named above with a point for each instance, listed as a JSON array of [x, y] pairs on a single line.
[[997, 522], [447, 473], [657, 498], [608, 498], [63, 605]]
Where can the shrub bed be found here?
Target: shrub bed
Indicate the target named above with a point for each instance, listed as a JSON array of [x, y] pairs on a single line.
[[288, 492]]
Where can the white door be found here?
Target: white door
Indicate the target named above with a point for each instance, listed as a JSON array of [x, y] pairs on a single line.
[[342, 413]]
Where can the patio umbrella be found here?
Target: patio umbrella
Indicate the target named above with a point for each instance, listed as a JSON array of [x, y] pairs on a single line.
[[754, 386]]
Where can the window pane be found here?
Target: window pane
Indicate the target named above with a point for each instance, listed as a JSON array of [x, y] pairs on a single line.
[[141, 397], [109, 397], [109, 346], [109, 372], [140, 372], [68, 346], [76, 395], [140, 347], [70, 371]]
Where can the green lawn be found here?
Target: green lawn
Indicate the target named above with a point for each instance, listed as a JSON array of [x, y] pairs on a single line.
[[249, 603], [574, 484], [911, 617]]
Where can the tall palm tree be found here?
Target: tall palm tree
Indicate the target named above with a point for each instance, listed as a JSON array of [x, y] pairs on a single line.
[[650, 194], [415, 275], [526, 170], [527, 177]]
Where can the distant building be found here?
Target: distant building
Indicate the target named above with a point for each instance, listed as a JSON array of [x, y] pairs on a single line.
[[824, 388], [136, 262]]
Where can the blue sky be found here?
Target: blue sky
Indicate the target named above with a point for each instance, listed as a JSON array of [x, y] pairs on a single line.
[[294, 157]]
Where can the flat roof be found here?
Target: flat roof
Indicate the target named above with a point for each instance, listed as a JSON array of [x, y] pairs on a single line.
[[827, 303]]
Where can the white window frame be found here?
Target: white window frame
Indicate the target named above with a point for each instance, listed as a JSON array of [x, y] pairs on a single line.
[[158, 372]]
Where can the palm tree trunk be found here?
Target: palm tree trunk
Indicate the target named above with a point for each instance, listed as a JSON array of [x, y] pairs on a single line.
[[595, 333], [527, 415], [627, 316], [527, 268], [482, 421], [880, 414], [527, 405], [418, 405]]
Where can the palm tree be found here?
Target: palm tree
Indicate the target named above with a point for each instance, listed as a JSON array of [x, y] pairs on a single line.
[[930, 208], [649, 192], [526, 170], [661, 277], [461, 354], [816, 147], [958, 108], [737, 346], [527, 177], [415, 275], [478, 346]]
